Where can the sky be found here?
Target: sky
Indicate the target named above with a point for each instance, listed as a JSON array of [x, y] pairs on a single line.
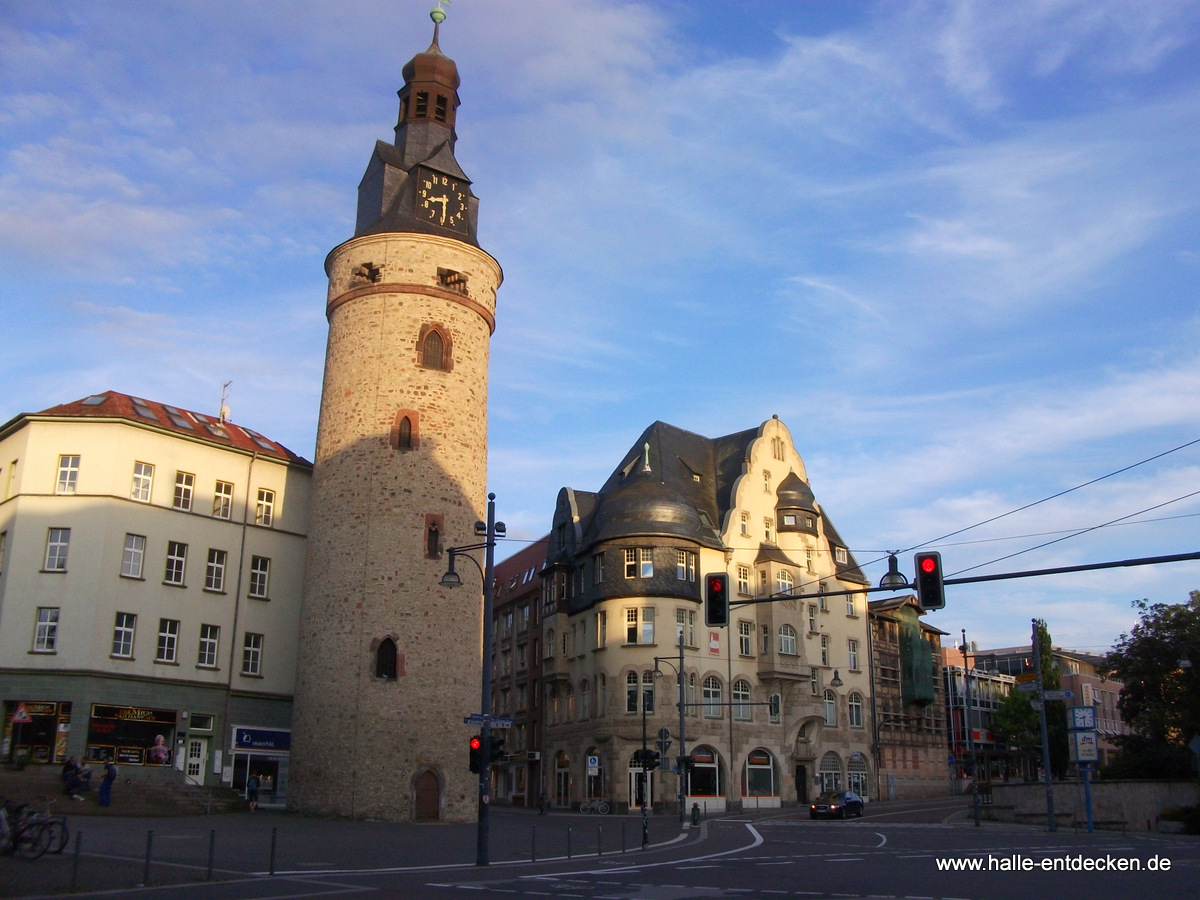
[[955, 247]]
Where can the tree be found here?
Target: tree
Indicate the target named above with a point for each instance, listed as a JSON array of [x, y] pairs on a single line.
[[1160, 698], [1056, 710], [1016, 724]]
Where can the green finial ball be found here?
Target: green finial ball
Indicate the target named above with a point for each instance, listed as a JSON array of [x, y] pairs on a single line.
[[438, 14]]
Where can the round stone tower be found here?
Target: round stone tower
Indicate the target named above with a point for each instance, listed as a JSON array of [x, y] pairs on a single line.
[[388, 660]]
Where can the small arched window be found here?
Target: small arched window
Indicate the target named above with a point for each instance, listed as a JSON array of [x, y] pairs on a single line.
[[432, 542], [830, 708], [433, 352], [385, 660], [404, 434]]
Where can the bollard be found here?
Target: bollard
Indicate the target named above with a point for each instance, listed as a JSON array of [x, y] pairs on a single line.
[[75, 861], [212, 843], [695, 813], [622, 837], [149, 847], [599, 838], [568, 842], [273, 834], [533, 844]]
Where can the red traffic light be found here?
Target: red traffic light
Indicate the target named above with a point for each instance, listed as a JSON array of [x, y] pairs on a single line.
[[476, 743], [928, 564]]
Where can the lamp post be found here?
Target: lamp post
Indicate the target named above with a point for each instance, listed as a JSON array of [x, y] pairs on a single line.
[[967, 727], [643, 774], [681, 766], [488, 531]]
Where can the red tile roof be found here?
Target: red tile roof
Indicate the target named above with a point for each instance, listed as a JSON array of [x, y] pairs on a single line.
[[164, 417]]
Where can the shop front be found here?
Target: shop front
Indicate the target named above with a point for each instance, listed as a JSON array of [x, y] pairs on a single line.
[[35, 731], [263, 752], [131, 735]]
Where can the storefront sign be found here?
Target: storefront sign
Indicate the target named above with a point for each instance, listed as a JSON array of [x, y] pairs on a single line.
[[277, 740]]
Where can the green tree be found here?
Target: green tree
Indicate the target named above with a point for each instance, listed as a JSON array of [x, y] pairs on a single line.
[[1056, 710], [1160, 697], [1016, 723]]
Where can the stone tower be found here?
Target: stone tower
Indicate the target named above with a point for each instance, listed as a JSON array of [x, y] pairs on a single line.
[[388, 660]]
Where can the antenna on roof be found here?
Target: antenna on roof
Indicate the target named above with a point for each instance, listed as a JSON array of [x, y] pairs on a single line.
[[224, 413]]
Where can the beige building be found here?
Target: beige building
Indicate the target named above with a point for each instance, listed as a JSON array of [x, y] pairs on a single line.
[[389, 660], [625, 578], [151, 567]]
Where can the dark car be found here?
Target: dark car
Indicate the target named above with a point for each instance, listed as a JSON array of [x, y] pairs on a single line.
[[836, 805]]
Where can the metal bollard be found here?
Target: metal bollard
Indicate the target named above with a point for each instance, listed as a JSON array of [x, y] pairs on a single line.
[[695, 813], [599, 839], [533, 844], [568, 842], [622, 837], [212, 843], [75, 861], [273, 835], [149, 847]]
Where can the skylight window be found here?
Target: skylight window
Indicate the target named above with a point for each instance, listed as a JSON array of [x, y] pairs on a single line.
[[142, 409], [95, 399], [180, 421], [217, 430]]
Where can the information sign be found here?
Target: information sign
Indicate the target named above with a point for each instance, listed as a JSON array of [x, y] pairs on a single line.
[[1027, 687], [1057, 695]]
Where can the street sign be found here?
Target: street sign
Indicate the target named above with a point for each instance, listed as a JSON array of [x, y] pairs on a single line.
[[21, 716], [1027, 687], [1026, 676], [1037, 704], [664, 734], [477, 720], [1057, 695], [1083, 746], [663, 746]]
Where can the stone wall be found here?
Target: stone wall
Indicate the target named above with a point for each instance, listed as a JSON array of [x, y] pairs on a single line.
[[1119, 805]]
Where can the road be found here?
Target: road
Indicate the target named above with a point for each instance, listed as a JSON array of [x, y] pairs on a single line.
[[895, 851]]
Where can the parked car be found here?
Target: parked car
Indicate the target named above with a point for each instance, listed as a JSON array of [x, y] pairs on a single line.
[[836, 805]]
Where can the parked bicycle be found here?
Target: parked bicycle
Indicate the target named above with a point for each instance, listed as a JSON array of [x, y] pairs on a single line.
[[595, 805], [20, 832], [55, 825]]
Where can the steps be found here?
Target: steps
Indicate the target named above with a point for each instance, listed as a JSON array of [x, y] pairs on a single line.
[[130, 797]]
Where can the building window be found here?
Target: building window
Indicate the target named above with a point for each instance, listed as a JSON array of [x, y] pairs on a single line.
[[821, 599], [133, 555], [648, 692], [812, 618], [168, 640], [824, 649], [123, 628], [766, 640], [809, 562], [439, 108], [45, 635], [264, 510], [766, 483], [685, 565], [768, 525], [58, 541], [260, 575], [840, 554], [856, 710], [3, 543], [176, 563], [850, 609], [712, 697], [852, 654], [787, 640], [206, 658], [830, 708], [745, 524], [743, 580], [685, 622], [598, 568], [404, 434], [222, 500], [777, 705], [68, 474], [433, 351], [184, 484], [646, 567], [385, 660], [601, 629], [745, 638], [252, 654], [690, 701], [741, 700], [143, 478], [214, 572], [784, 582], [639, 625], [632, 684], [814, 682], [630, 563]]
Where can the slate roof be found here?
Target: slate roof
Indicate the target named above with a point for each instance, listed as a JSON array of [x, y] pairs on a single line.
[[163, 417]]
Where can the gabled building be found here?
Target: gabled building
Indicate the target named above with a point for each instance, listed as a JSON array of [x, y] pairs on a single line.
[[909, 703], [151, 569], [775, 705]]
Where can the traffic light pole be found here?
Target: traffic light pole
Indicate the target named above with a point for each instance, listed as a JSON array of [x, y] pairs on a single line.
[[644, 776]]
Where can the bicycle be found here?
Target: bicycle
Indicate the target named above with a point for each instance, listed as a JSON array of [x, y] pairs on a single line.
[[59, 833], [595, 805], [20, 833]]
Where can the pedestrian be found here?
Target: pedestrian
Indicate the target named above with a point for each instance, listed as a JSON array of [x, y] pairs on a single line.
[[252, 792], [106, 783]]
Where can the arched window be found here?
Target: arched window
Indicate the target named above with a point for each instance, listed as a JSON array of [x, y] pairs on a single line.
[[632, 684], [433, 547], [570, 704], [741, 700], [648, 691], [830, 708], [787, 639], [856, 710], [404, 434], [432, 353], [830, 772], [856, 774], [783, 582], [712, 697], [385, 660], [406, 430], [585, 699]]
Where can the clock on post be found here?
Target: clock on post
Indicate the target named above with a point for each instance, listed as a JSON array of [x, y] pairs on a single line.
[[441, 200]]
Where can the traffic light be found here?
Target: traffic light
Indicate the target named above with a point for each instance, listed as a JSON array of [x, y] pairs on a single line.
[[716, 599], [649, 760], [497, 748], [931, 594], [773, 705], [685, 764], [476, 763]]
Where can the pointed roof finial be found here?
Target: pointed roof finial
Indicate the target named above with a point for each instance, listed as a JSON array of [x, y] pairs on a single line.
[[438, 14]]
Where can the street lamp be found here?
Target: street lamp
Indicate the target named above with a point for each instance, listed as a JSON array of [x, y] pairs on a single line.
[[680, 764], [837, 680], [967, 728], [489, 531], [893, 580]]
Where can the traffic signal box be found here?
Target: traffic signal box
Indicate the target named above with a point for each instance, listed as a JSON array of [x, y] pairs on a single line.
[[476, 757], [716, 599], [931, 593], [497, 749], [646, 760]]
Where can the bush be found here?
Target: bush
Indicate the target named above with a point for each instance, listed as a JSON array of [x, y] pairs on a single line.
[[1139, 758], [1188, 815]]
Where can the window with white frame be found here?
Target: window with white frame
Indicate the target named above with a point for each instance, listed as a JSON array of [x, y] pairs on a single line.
[[645, 562], [824, 649], [712, 697], [783, 582], [841, 555], [685, 622], [766, 483], [768, 529], [598, 568], [787, 640], [821, 599], [648, 691], [185, 483], [830, 708], [176, 562], [222, 500], [260, 576], [743, 580], [812, 618], [133, 556], [58, 542], [143, 479], [264, 508], [745, 524], [830, 773], [639, 625], [852, 654], [632, 689], [855, 710], [214, 571], [206, 656], [766, 639], [68, 475], [601, 629], [685, 565], [740, 693], [814, 682], [252, 649], [168, 640], [45, 634], [745, 638], [630, 563], [123, 629], [850, 608]]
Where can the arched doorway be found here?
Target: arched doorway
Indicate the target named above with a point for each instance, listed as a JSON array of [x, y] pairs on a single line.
[[428, 796], [858, 774], [760, 781], [705, 784], [830, 772]]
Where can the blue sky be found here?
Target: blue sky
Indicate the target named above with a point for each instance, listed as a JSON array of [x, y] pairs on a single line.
[[954, 246]]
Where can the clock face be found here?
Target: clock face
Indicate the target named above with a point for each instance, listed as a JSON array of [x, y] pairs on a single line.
[[441, 200]]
